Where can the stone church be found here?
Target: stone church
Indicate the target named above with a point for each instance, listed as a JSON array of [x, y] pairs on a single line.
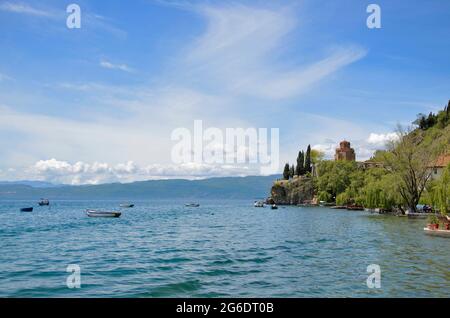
[[345, 152]]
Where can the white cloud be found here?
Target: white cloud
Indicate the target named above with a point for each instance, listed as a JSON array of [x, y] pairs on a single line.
[[364, 148], [23, 8], [237, 51], [91, 21], [327, 148], [57, 171], [121, 67], [381, 139]]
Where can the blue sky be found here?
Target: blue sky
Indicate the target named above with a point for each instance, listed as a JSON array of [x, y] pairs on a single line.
[[98, 104]]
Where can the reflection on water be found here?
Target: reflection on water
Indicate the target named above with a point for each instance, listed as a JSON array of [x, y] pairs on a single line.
[[163, 249]]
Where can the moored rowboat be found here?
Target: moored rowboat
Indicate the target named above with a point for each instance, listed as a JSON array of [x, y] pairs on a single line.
[[445, 233], [43, 202], [258, 204], [126, 205], [102, 214]]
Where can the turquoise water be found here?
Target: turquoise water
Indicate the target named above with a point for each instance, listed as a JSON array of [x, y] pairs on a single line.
[[162, 249]]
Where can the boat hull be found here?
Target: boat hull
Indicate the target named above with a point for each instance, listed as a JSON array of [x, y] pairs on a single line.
[[103, 214], [127, 205], [444, 233], [26, 210], [355, 208]]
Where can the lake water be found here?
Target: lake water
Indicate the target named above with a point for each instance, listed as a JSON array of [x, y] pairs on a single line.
[[163, 249]]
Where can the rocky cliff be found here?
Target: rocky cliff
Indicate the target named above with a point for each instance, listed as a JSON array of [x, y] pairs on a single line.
[[292, 192]]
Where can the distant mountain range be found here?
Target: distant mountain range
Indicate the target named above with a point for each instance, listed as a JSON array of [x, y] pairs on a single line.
[[34, 184], [252, 187]]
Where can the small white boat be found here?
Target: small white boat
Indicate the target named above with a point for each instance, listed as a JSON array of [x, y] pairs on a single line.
[[103, 214], [445, 233], [259, 204], [274, 207], [127, 205], [43, 202], [192, 205]]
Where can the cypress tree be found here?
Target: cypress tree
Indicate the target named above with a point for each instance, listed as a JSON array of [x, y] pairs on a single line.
[[300, 164], [308, 159], [291, 172], [286, 172], [430, 120]]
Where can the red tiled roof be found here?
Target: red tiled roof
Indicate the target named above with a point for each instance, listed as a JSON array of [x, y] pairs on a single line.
[[442, 161]]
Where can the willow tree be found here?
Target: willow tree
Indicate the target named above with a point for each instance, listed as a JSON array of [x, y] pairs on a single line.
[[441, 192], [409, 159], [381, 191]]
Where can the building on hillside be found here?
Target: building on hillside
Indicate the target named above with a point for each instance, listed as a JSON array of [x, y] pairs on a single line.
[[370, 164], [437, 168], [345, 152]]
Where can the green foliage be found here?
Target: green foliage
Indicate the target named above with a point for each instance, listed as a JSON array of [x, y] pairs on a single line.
[[441, 119], [344, 198], [438, 193], [316, 156], [343, 180], [335, 176], [409, 158], [380, 190], [325, 196], [433, 219]]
